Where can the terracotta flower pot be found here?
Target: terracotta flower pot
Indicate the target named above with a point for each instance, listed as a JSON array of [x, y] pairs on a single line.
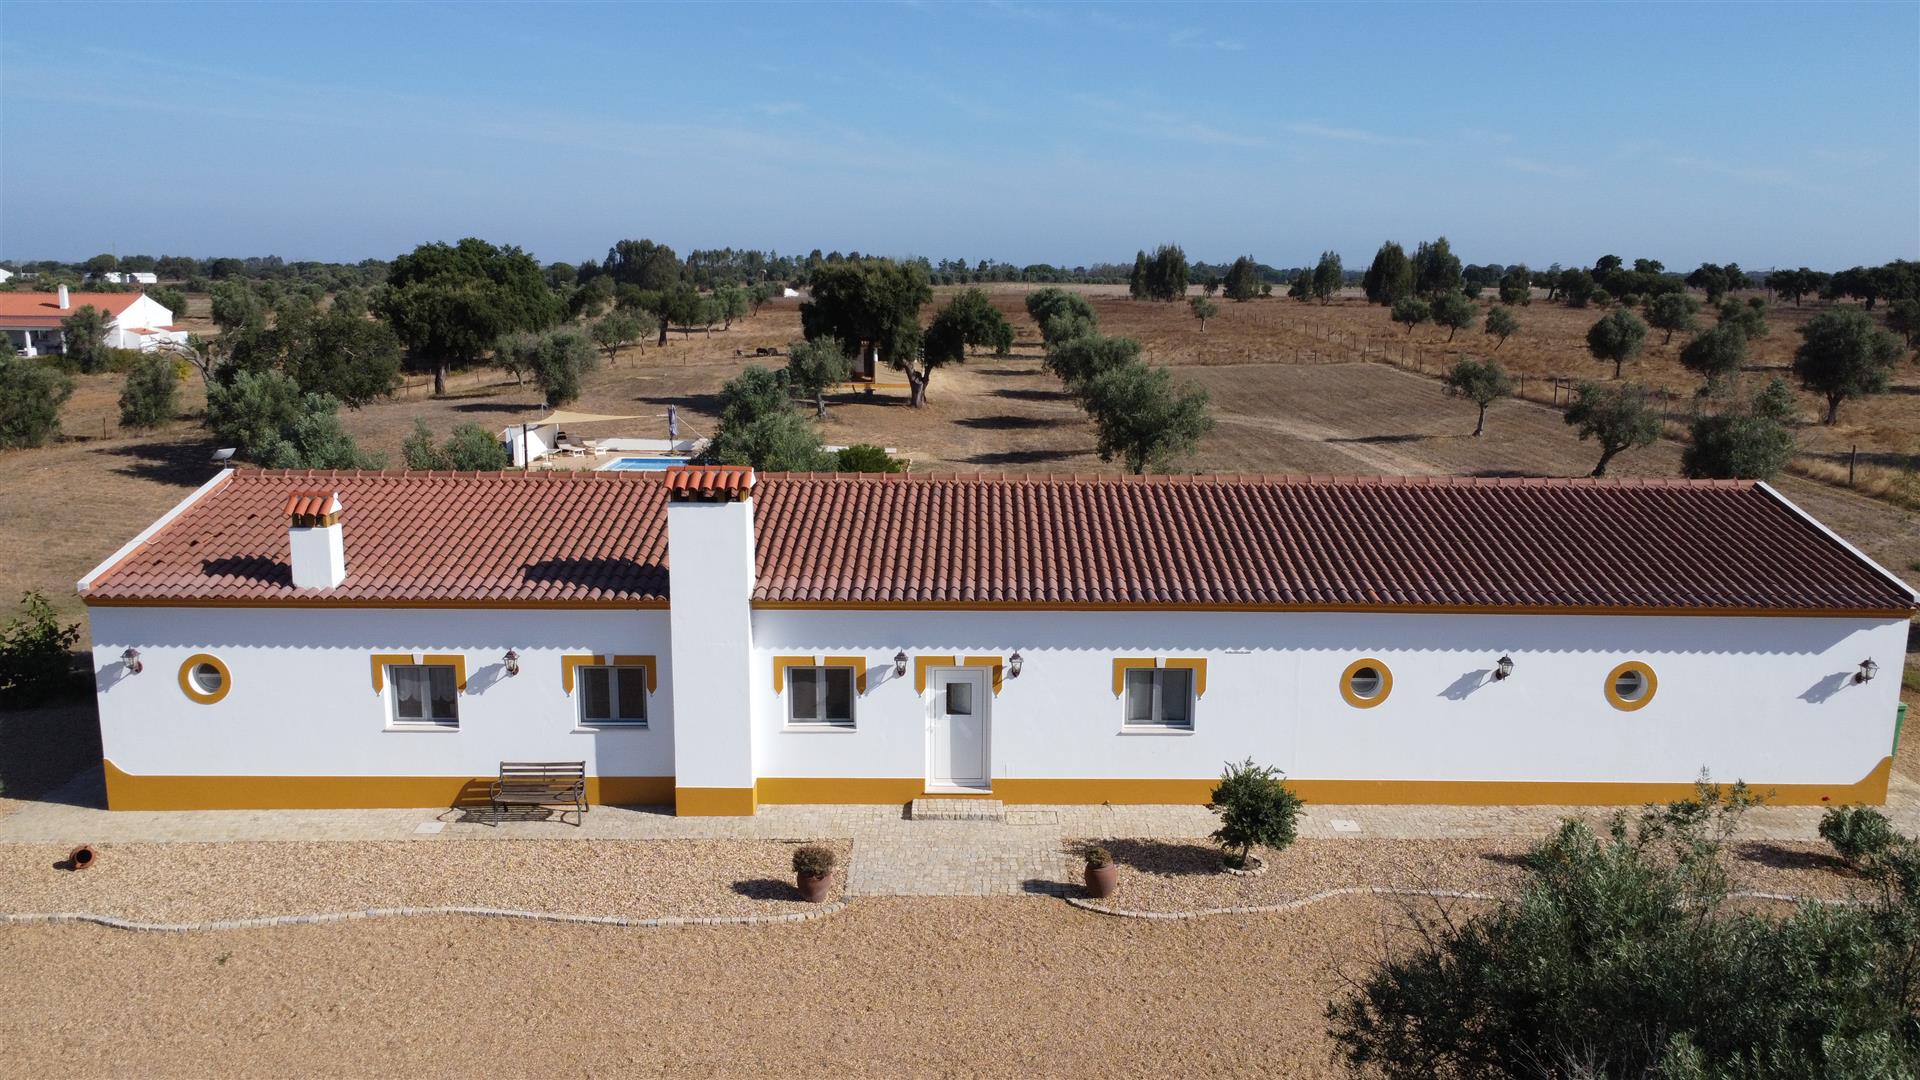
[[82, 857], [1102, 881], [813, 888]]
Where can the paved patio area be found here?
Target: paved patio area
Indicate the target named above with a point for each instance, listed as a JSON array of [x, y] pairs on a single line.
[[892, 854]]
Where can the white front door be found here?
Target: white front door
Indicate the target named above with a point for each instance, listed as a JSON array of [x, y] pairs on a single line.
[[960, 700]]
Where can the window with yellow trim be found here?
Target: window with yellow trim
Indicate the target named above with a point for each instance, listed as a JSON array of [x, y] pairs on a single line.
[[820, 696], [423, 696], [205, 679], [1631, 685], [1159, 699], [612, 695], [1366, 683]]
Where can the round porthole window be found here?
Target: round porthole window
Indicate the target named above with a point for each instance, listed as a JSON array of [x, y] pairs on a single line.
[[1631, 685], [205, 679], [1366, 683]]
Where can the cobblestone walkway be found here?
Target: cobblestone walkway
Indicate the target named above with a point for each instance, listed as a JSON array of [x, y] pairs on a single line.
[[1030, 851]]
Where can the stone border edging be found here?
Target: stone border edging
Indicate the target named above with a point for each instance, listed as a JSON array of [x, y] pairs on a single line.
[[258, 922], [1373, 890]]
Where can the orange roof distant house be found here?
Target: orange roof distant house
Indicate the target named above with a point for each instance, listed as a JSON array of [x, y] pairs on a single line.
[[39, 311]]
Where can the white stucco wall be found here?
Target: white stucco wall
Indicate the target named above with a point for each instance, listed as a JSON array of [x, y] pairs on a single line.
[[302, 701], [710, 560], [1769, 700]]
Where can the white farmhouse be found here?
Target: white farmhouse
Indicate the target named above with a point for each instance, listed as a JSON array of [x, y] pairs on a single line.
[[716, 640], [124, 277], [32, 320]]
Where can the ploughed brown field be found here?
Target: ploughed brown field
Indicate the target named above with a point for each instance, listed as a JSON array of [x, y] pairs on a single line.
[[1290, 388]]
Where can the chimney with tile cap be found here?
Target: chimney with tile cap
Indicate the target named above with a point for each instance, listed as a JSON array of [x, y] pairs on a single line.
[[313, 534], [710, 573]]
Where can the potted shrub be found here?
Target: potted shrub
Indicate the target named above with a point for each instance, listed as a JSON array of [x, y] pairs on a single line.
[[1102, 875], [1255, 808], [813, 871]]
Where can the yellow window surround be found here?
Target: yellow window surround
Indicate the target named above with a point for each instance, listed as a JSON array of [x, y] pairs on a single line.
[[457, 662], [1124, 664], [1646, 694], [780, 666], [782, 663], [572, 661], [194, 692], [1346, 683]]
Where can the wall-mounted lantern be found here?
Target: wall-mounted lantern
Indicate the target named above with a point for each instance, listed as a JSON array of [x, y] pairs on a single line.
[[512, 662], [900, 664], [131, 658], [1014, 664], [1868, 669], [1502, 668]]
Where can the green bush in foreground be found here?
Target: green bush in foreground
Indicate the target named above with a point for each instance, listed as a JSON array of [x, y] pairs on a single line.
[[1625, 955], [1859, 834], [1256, 809], [35, 654]]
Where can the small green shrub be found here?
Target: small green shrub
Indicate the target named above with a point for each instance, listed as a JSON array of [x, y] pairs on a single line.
[[813, 860], [151, 395], [1255, 807], [35, 658], [866, 458], [1858, 834], [1098, 857]]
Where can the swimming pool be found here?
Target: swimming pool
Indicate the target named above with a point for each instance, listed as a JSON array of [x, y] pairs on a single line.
[[642, 464]]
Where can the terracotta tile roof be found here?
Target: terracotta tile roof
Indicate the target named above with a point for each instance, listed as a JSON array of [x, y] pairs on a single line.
[[420, 538], [1277, 542], [709, 481], [1366, 542], [37, 309]]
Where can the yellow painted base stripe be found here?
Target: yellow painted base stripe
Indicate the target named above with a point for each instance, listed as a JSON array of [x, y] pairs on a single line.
[[714, 802], [130, 792], [126, 791]]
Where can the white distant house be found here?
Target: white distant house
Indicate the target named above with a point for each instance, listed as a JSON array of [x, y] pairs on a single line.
[[6, 275], [33, 320], [716, 640], [124, 277]]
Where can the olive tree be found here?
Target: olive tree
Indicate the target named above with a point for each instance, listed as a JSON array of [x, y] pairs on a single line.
[[1077, 360], [151, 395], [1256, 808], [1454, 311], [1411, 311], [31, 393], [1672, 311], [1141, 418], [1628, 953], [469, 448], [1617, 338], [85, 340], [1716, 355], [1752, 441], [620, 328], [1502, 324], [1203, 309], [814, 367], [1482, 382], [876, 300], [1619, 418], [450, 303], [1844, 355]]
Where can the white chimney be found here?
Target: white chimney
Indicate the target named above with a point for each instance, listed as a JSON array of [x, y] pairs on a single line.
[[710, 574], [64, 302], [313, 534]]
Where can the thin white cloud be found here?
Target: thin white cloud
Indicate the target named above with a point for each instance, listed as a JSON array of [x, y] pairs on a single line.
[[1543, 168], [781, 108], [1753, 174], [1354, 135], [1177, 126], [1192, 37]]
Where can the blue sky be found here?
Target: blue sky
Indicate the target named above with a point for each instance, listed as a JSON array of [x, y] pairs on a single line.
[[1766, 134]]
